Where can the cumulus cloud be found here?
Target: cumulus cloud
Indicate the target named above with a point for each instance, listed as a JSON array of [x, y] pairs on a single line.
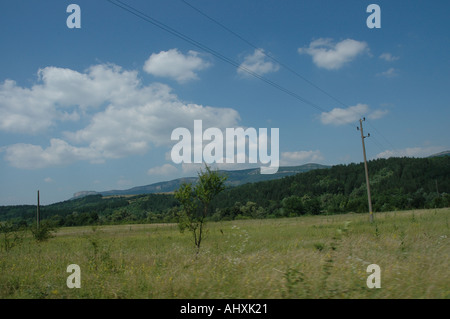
[[389, 73], [57, 93], [24, 110], [388, 57], [127, 129], [377, 114], [300, 157], [332, 56], [340, 116], [257, 63], [176, 65], [59, 152], [125, 116], [410, 152]]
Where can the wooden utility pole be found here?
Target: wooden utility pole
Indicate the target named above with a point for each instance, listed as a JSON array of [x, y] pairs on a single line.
[[38, 211], [360, 128]]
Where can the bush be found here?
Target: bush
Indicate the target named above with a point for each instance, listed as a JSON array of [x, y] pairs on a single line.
[[11, 235], [44, 231]]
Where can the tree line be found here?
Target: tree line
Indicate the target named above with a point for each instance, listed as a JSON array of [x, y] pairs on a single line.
[[396, 184]]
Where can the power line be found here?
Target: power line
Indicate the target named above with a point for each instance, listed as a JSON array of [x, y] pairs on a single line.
[[318, 88], [381, 135], [205, 48], [268, 55], [222, 57]]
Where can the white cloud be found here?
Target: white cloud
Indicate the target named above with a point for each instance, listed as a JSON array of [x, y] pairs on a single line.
[[377, 114], [333, 56], [61, 95], [388, 57], [411, 152], [126, 117], [23, 110], [166, 169], [340, 116], [173, 64], [59, 152], [99, 83], [389, 73], [123, 130], [300, 157], [257, 63]]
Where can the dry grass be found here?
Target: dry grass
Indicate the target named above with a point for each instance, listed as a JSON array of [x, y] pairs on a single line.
[[305, 257]]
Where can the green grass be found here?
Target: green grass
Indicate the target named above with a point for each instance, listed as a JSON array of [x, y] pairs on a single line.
[[304, 257]]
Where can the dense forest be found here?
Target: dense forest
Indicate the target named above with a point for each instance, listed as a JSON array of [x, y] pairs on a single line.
[[396, 184]]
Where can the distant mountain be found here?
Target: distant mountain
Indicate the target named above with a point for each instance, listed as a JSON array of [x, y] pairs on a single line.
[[444, 153], [235, 178], [396, 184]]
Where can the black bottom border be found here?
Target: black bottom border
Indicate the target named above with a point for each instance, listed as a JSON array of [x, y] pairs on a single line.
[[220, 308]]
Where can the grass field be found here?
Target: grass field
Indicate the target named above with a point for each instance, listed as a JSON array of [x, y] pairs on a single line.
[[304, 257]]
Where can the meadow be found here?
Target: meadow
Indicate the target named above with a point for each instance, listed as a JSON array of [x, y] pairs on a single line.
[[301, 257]]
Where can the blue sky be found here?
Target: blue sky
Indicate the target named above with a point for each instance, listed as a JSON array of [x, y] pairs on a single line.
[[93, 108]]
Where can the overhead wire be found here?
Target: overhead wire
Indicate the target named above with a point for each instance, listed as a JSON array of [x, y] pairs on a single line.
[[268, 55], [205, 48], [230, 61]]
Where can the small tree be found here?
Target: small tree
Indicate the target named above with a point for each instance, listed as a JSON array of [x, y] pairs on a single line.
[[10, 236], [44, 231], [195, 202]]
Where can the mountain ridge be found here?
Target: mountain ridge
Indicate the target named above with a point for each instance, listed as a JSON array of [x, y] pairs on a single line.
[[235, 178], [444, 153]]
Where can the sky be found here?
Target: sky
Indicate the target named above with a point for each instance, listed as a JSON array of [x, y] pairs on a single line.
[[89, 102]]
